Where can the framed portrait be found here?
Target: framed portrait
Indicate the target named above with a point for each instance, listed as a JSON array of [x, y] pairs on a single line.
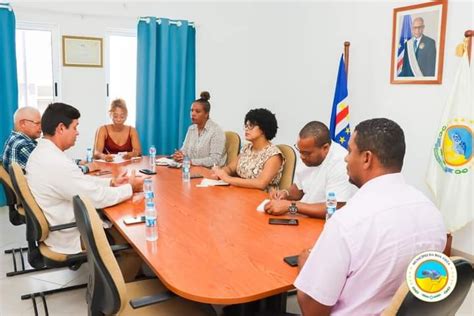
[[79, 51], [418, 43]]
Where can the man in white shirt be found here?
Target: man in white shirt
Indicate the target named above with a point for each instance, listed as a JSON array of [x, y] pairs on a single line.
[[324, 171], [54, 178], [361, 257]]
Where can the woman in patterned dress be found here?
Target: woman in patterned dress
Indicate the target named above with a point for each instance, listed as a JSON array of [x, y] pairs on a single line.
[[260, 163]]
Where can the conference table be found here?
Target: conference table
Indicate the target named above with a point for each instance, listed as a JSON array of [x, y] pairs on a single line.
[[213, 245]]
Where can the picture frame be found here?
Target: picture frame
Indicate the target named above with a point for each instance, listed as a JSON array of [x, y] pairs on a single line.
[[80, 51], [418, 37]]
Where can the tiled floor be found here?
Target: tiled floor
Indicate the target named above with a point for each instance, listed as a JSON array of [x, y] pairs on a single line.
[[69, 303]]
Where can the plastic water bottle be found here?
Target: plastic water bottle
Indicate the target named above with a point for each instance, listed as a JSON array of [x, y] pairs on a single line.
[[331, 204], [152, 154], [148, 190], [89, 155], [150, 221], [186, 169]]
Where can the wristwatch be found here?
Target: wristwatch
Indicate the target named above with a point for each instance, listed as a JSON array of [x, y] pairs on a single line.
[[293, 209]]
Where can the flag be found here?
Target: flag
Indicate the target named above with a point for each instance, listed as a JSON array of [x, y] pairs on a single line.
[[339, 127], [405, 35], [450, 170]]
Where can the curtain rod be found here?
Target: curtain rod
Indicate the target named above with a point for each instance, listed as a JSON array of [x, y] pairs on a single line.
[[5, 6], [158, 20]]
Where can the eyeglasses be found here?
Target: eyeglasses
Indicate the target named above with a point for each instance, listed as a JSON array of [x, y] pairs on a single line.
[[34, 122], [418, 27], [249, 126]]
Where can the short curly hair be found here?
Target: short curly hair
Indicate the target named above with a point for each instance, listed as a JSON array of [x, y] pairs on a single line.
[[265, 120]]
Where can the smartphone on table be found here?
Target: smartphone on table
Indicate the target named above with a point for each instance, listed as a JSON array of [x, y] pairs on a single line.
[[147, 171], [129, 220], [291, 260], [283, 221]]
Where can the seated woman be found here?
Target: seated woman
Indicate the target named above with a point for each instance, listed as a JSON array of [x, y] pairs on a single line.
[[259, 164], [205, 140], [117, 137]]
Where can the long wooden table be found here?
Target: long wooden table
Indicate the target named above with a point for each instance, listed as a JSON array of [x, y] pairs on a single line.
[[213, 246]]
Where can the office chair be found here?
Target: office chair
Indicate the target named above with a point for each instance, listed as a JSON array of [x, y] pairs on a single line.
[[232, 146], [107, 292], [16, 214], [289, 168], [404, 303], [37, 230]]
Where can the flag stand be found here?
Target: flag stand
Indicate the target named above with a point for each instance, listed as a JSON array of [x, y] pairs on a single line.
[[346, 57]]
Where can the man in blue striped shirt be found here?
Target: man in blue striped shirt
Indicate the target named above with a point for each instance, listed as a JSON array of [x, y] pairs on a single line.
[[22, 139]]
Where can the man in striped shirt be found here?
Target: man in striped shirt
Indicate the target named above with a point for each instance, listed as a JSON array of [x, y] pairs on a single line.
[[22, 139]]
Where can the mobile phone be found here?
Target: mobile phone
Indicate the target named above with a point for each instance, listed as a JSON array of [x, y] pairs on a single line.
[[196, 176], [129, 220], [103, 172], [147, 171], [283, 221], [291, 260]]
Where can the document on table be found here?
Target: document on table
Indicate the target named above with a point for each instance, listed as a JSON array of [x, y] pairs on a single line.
[[117, 159], [210, 183], [261, 206]]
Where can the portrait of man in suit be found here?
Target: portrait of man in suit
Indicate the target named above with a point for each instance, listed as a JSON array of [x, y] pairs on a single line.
[[419, 59]]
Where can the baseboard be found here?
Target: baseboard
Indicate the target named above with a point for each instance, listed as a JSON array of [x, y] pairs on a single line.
[[459, 253]]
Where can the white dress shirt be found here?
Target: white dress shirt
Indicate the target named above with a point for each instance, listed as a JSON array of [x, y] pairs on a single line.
[[54, 179], [329, 176], [361, 257]]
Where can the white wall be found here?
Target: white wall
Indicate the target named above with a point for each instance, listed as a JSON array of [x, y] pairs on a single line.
[[283, 56]]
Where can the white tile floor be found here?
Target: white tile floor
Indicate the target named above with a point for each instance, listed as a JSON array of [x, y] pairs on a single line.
[[70, 303]]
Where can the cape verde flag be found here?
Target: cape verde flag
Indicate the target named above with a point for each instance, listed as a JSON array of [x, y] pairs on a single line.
[[405, 35], [339, 127]]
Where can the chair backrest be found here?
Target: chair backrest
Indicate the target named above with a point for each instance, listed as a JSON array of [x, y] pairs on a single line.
[[289, 167], [37, 227], [404, 303], [16, 211], [106, 292], [232, 146]]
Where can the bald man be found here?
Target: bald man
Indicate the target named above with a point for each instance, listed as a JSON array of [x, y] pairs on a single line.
[[22, 139], [420, 52]]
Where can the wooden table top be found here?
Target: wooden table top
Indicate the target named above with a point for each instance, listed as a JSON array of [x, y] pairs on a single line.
[[213, 246]]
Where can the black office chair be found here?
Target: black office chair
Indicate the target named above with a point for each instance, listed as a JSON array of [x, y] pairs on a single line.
[[107, 292], [37, 230], [16, 214], [404, 303]]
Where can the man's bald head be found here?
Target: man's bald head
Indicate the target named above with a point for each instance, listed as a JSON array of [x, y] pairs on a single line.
[[27, 120]]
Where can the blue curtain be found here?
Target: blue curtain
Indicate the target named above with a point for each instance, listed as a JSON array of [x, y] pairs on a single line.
[[166, 79], [8, 77]]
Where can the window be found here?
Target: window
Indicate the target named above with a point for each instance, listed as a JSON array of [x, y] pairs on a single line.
[[123, 70], [36, 68]]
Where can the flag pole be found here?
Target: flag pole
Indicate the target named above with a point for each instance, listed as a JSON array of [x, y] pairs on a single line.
[[346, 57], [468, 35]]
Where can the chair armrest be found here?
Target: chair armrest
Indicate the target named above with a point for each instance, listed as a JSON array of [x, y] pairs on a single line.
[[62, 226], [153, 299], [117, 248]]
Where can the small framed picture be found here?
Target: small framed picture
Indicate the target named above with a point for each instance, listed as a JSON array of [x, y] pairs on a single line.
[[79, 51], [418, 43]]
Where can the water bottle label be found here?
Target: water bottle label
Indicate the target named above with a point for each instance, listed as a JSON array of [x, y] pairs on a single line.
[[149, 195], [150, 222]]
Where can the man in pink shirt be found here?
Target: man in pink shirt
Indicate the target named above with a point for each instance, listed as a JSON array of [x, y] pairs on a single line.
[[360, 259]]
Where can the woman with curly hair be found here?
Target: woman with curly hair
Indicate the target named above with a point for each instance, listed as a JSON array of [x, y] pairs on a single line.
[[260, 164]]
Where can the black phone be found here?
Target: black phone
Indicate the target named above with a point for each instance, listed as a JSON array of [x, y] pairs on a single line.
[[129, 220], [102, 172], [291, 260], [147, 171], [283, 221], [196, 176]]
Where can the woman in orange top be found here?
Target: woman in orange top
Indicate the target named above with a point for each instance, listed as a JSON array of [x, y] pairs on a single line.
[[117, 137]]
